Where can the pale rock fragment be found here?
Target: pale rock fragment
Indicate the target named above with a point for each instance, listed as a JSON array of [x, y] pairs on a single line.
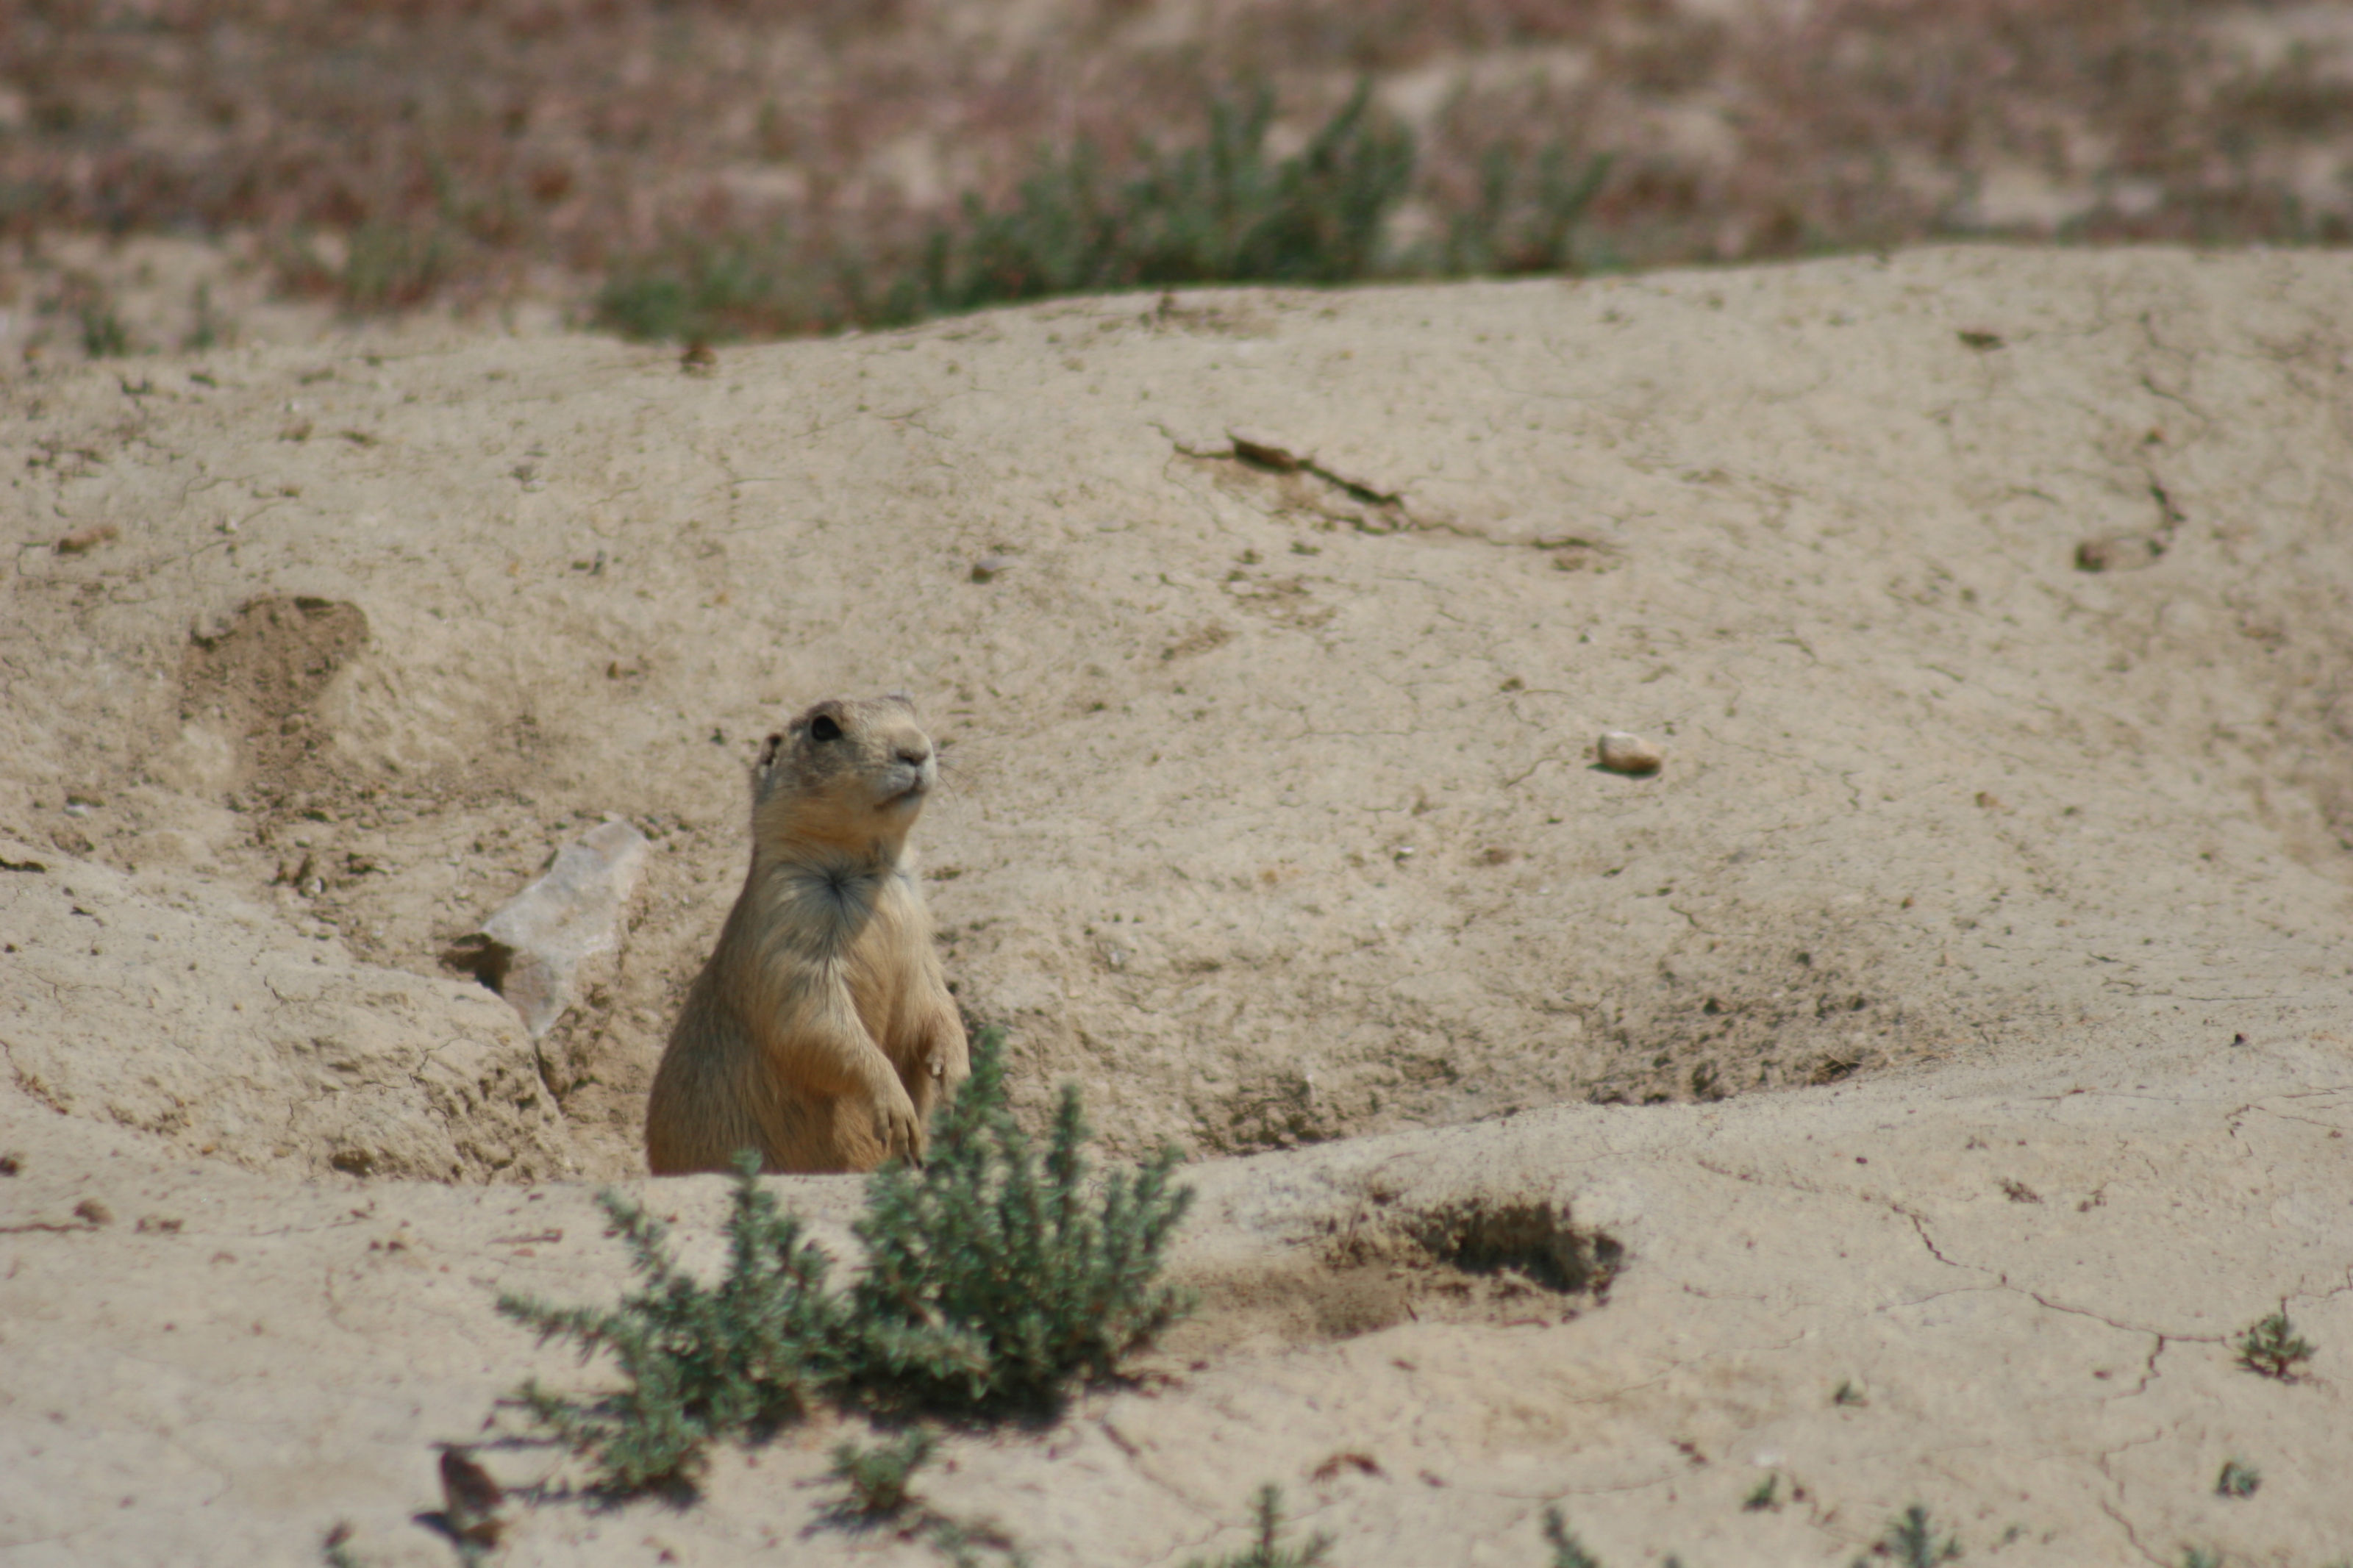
[[532, 950], [1621, 752]]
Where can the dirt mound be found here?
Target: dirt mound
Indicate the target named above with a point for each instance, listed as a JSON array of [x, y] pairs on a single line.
[[1269, 663]]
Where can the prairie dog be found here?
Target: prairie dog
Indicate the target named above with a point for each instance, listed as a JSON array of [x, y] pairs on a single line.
[[822, 1032]]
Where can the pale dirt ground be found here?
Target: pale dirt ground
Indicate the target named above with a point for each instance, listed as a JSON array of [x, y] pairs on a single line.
[[1270, 825]]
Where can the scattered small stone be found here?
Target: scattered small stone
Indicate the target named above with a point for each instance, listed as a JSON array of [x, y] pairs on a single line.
[[93, 1213], [1265, 455], [470, 1502], [1984, 342], [11, 1163], [991, 566], [2119, 553], [697, 359], [82, 541], [1621, 752]]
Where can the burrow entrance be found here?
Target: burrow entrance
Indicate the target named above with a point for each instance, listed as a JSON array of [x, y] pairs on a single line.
[[1506, 1262]]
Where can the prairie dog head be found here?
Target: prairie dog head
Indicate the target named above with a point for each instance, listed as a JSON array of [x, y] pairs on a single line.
[[849, 774]]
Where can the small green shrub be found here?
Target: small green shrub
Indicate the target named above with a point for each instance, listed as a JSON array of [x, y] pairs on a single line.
[[1265, 1552], [387, 265], [1912, 1541], [2273, 1348], [2201, 1557], [103, 335], [1568, 1550], [877, 1486], [2238, 1480], [205, 331], [700, 1361], [1766, 1494], [878, 1483], [994, 1279], [1221, 210], [1525, 218], [391, 265], [694, 290]]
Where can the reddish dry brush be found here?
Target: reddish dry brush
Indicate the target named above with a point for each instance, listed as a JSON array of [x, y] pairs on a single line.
[[398, 152]]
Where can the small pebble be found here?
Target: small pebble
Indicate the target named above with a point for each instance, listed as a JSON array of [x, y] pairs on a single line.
[[2124, 553], [81, 540], [1623, 754], [989, 566]]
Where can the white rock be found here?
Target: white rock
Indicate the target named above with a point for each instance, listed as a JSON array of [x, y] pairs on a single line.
[[1621, 752], [531, 951]]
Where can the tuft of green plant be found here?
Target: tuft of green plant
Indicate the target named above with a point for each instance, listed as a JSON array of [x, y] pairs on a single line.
[[1524, 219], [387, 265], [1568, 1550], [103, 335], [1224, 209], [2273, 1348], [1264, 1551], [878, 1488], [964, 1543], [1912, 1541], [1846, 1392], [2201, 1557], [715, 290], [994, 1278], [2238, 1480], [700, 1361], [391, 265], [205, 332], [1220, 211], [879, 1482], [1765, 1494]]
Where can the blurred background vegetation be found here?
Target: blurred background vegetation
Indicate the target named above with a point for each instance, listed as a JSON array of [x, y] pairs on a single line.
[[171, 171]]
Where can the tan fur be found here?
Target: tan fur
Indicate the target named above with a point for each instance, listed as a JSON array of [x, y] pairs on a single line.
[[822, 1032]]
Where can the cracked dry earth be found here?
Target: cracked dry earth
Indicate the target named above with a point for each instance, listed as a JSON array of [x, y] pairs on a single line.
[[1958, 1019]]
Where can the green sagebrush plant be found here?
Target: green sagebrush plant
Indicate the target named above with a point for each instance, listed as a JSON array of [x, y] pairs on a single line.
[[697, 1361], [1266, 1549], [1223, 208], [994, 1279]]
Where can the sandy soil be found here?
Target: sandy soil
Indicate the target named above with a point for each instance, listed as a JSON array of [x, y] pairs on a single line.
[[1271, 825]]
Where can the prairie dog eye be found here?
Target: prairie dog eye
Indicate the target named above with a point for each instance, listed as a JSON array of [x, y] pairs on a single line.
[[823, 728]]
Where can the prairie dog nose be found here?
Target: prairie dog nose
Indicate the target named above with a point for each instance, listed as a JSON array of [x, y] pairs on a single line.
[[914, 753]]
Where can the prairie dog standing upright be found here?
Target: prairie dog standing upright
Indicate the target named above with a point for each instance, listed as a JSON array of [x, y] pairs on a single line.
[[822, 1032]]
